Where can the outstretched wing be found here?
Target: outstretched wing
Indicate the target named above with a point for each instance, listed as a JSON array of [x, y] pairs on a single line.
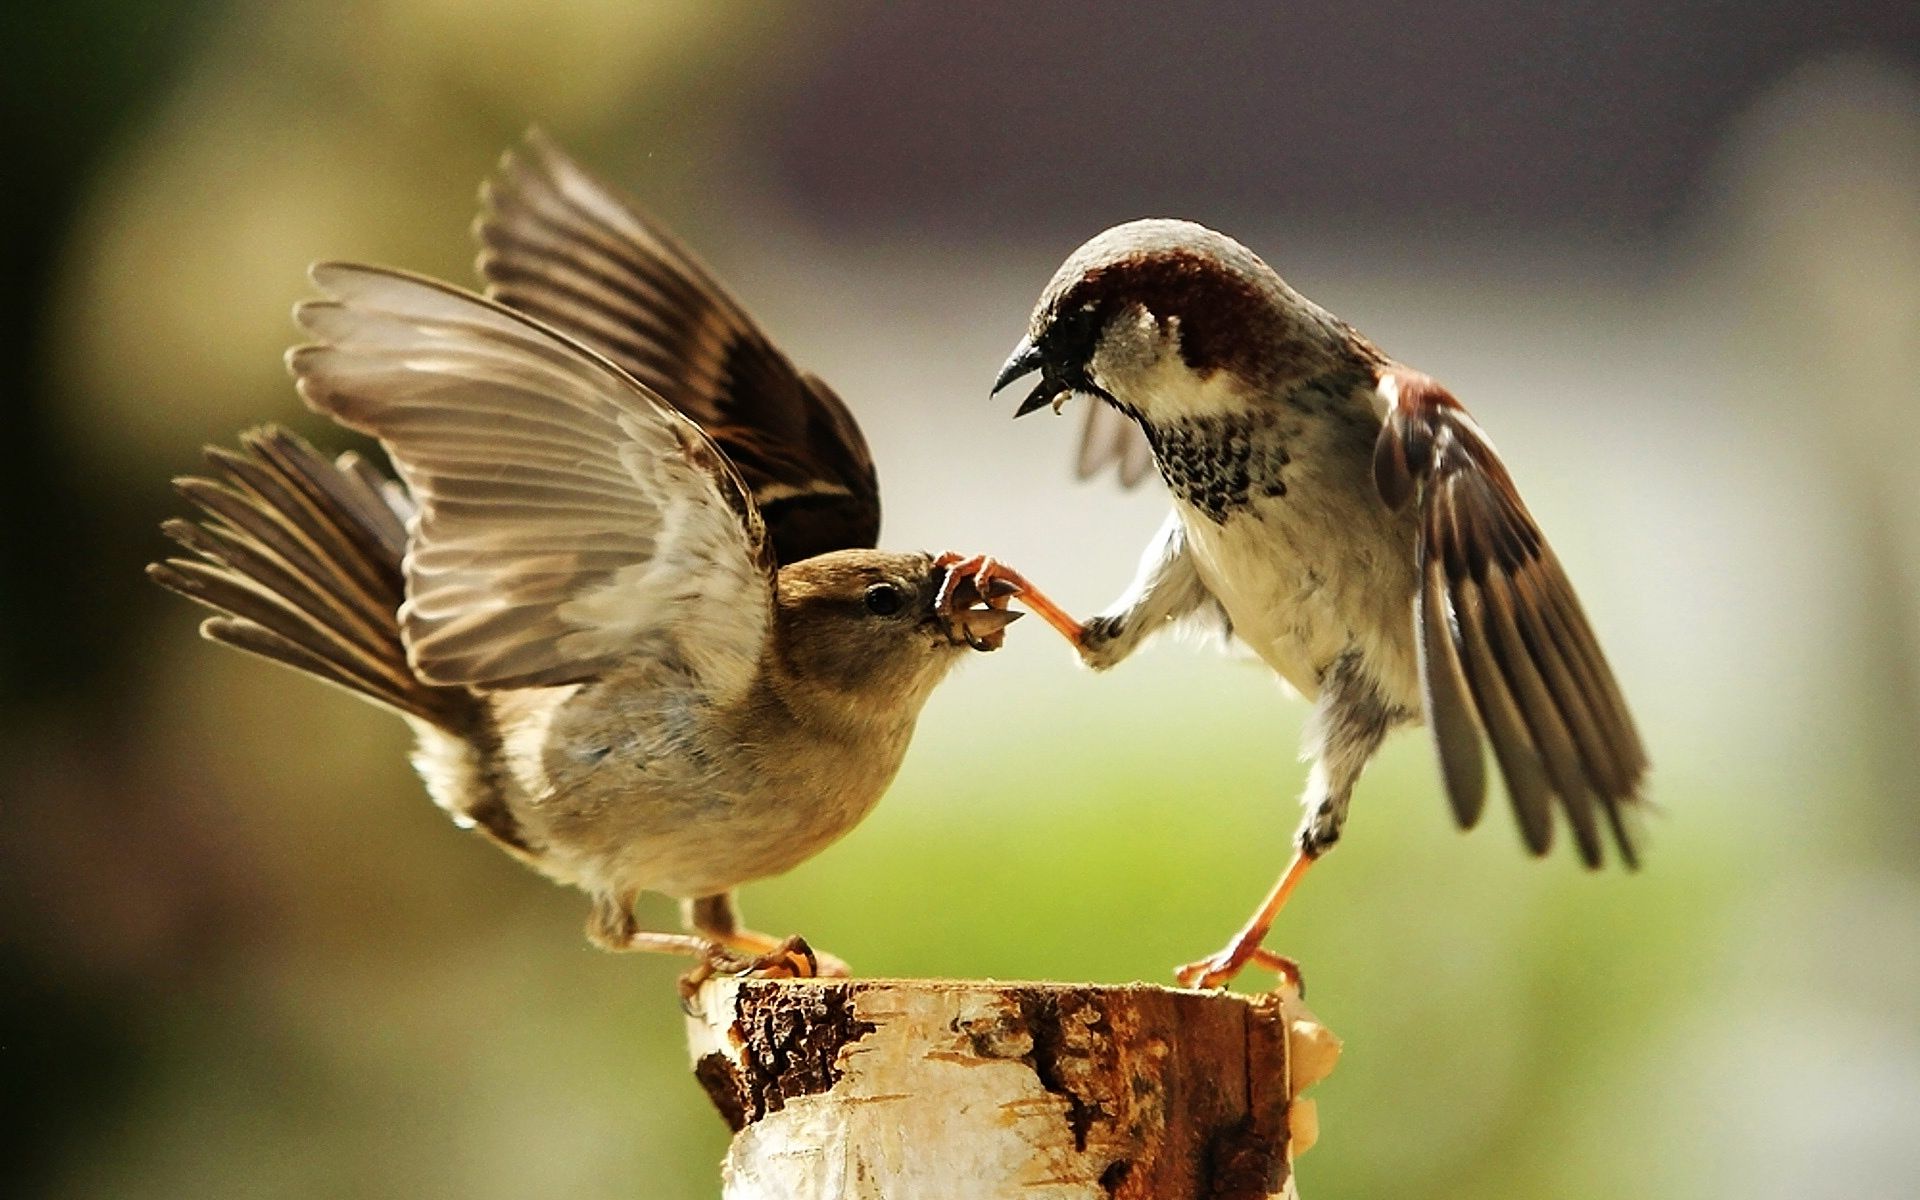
[[560, 245], [567, 518], [1111, 438], [1504, 646]]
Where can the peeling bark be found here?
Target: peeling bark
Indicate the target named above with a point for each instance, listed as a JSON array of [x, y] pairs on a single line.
[[864, 1089]]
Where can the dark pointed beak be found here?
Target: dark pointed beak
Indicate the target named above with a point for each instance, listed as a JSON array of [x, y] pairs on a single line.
[[984, 628], [1024, 360], [1043, 395]]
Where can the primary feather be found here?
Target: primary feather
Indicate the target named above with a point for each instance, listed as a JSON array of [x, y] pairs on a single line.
[[574, 252], [567, 518], [1505, 647]]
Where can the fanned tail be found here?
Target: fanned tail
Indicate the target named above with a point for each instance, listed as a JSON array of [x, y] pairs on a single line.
[[302, 559]]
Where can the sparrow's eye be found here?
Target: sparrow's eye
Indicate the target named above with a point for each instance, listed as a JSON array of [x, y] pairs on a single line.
[[883, 599]]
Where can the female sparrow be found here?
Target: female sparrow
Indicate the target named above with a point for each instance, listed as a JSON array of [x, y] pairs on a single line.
[[644, 641]]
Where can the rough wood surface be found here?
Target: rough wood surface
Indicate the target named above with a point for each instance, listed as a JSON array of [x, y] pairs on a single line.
[[924, 1089]]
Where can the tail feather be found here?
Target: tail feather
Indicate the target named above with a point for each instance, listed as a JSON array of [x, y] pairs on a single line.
[[257, 639], [280, 630], [349, 529], [378, 486], [292, 589], [302, 556]]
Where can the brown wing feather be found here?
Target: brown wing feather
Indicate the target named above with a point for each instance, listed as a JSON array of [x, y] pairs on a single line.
[[1456, 731], [303, 558], [568, 520], [1505, 649], [564, 247], [1111, 438]]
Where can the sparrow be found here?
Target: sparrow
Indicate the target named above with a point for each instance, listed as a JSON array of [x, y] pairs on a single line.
[[1344, 518], [631, 607]]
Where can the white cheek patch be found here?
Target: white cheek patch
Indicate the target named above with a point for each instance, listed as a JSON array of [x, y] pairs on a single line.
[[1132, 346], [1139, 362], [1387, 395]]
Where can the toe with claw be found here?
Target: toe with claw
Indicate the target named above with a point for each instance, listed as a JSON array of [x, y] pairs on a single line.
[[1220, 968], [791, 958], [995, 583], [973, 602]]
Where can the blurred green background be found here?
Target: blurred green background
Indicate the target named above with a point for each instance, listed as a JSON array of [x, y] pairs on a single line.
[[1671, 258]]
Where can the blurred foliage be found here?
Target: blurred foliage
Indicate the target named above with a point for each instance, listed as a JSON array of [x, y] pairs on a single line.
[[243, 955]]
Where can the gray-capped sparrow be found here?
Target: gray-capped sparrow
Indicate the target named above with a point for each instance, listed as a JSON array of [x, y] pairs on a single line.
[[1342, 516]]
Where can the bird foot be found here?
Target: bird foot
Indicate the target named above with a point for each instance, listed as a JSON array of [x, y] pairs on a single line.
[[791, 958], [995, 583], [1219, 969], [968, 582], [1102, 643]]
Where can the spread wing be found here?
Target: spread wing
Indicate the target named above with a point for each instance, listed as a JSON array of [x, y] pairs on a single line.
[[1111, 438], [560, 245], [567, 519], [1505, 649]]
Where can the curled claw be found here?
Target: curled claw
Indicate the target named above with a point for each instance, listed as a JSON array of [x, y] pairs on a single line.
[[997, 581], [1287, 969], [960, 585], [1219, 969], [999, 590], [979, 579], [791, 958], [968, 582]]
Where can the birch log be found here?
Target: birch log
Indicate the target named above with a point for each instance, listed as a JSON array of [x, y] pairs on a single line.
[[947, 1090]]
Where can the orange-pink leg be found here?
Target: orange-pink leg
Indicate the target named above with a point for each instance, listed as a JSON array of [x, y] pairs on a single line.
[[746, 951], [985, 572], [1221, 966]]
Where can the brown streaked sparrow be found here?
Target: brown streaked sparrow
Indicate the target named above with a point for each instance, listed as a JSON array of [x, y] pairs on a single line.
[[1345, 518], [634, 651]]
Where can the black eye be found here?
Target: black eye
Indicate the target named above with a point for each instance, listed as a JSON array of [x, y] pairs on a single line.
[[883, 599]]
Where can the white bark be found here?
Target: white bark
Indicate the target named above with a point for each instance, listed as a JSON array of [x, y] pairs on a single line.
[[943, 1090]]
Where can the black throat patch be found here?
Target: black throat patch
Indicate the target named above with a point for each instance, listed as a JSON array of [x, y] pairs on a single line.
[[1218, 464]]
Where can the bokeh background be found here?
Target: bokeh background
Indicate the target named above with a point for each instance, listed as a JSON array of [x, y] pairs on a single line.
[[1670, 254]]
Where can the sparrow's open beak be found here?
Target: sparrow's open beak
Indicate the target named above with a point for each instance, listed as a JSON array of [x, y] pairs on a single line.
[[1025, 360], [983, 628]]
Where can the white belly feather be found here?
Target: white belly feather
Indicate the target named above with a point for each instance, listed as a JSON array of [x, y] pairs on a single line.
[[1302, 589]]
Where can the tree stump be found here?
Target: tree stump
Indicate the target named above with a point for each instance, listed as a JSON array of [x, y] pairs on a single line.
[[922, 1089]]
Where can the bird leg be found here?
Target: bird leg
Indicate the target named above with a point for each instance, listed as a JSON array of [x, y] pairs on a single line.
[[745, 951], [1349, 722], [995, 581], [1166, 587], [1221, 966], [612, 927], [720, 945]]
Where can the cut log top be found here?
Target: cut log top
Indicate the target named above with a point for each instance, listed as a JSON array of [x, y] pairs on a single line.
[[901, 1089]]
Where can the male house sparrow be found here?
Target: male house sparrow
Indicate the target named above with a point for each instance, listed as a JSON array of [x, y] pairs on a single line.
[[1344, 517], [639, 654]]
